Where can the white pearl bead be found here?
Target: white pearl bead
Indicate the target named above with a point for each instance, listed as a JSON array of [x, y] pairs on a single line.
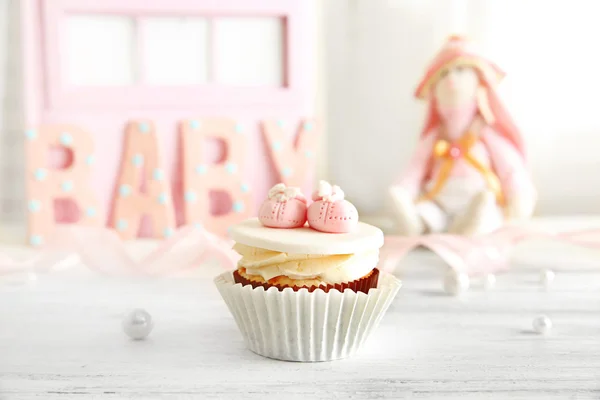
[[542, 324], [456, 283], [547, 277], [138, 324], [489, 281]]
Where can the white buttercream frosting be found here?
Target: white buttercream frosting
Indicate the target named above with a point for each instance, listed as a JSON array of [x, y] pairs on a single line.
[[326, 268]]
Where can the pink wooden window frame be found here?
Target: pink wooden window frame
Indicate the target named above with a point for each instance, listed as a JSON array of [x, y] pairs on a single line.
[[60, 95]]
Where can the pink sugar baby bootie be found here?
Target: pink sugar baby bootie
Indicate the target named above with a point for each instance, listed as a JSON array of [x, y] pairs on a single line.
[[330, 212], [285, 208]]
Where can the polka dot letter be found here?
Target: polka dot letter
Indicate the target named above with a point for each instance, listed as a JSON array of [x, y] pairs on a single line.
[[46, 183], [293, 156], [140, 166], [200, 177]]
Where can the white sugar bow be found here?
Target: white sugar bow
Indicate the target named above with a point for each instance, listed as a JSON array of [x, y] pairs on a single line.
[[330, 192], [282, 193]]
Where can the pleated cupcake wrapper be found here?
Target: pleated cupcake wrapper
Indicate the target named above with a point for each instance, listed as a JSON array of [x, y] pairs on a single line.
[[301, 326], [363, 284]]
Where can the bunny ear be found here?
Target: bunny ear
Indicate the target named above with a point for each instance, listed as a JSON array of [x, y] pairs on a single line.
[[277, 189]]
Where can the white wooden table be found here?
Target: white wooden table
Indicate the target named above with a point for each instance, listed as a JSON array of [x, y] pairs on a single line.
[[61, 338]]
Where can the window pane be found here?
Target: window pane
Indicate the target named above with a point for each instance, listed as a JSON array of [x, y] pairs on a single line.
[[99, 50], [249, 51], [175, 50]]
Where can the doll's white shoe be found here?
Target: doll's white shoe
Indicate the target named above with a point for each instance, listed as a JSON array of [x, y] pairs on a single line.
[[522, 205], [481, 216], [409, 223]]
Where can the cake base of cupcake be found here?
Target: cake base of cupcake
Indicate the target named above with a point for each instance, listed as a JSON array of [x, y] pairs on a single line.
[[363, 284], [298, 325]]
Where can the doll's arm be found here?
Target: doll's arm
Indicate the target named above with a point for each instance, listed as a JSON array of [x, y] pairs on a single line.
[[412, 178], [513, 174]]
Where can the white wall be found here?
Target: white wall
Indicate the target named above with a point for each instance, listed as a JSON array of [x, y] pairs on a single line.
[[376, 52], [12, 176]]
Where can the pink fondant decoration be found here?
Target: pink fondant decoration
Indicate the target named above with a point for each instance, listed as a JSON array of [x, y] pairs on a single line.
[[141, 167], [330, 212], [201, 177], [293, 156], [45, 183], [285, 208]]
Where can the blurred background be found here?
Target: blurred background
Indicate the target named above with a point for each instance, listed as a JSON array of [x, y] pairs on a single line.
[[371, 54], [376, 51]]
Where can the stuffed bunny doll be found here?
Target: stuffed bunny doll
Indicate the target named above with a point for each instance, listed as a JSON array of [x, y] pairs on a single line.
[[469, 171]]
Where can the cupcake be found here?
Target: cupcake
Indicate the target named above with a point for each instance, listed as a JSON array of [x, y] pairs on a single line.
[[308, 293]]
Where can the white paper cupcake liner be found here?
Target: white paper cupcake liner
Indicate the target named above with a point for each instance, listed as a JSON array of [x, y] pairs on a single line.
[[302, 326]]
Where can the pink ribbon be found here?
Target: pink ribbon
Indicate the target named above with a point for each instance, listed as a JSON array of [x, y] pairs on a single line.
[[478, 255], [39, 262], [102, 250]]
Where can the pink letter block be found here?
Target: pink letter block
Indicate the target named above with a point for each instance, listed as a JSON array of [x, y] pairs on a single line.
[[293, 159], [45, 184], [200, 177], [143, 187]]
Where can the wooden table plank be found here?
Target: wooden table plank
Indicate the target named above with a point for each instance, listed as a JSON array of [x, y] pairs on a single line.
[[61, 338]]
